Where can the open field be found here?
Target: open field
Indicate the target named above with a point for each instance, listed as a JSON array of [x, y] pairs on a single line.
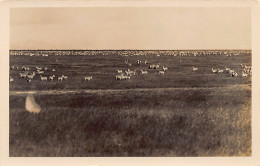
[[182, 113], [103, 68]]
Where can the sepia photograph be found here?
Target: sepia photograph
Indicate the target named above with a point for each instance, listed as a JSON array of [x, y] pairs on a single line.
[[129, 83]]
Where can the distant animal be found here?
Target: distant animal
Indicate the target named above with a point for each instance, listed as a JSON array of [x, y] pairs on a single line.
[[227, 69], [130, 73], [60, 78], [43, 78], [161, 72], [144, 72], [65, 77], [30, 76], [154, 66], [244, 74], [233, 74], [247, 67], [88, 78], [122, 77], [119, 71], [40, 72], [165, 68], [23, 75], [11, 79], [38, 68], [220, 71], [231, 71], [214, 70], [25, 68], [51, 77], [194, 68]]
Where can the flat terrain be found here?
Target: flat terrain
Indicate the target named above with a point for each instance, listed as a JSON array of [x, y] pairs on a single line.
[[104, 68], [182, 113]]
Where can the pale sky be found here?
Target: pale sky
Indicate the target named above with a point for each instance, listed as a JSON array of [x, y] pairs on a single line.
[[130, 28]]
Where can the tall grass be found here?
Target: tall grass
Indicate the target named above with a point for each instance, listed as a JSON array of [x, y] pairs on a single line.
[[152, 123]]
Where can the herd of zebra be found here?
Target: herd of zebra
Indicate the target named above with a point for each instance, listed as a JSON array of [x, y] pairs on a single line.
[[247, 70], [122, 74], [126, 74], [29, 76]]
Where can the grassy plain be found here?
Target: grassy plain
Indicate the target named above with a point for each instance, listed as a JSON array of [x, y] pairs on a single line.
[[213, 119], [104, 68]]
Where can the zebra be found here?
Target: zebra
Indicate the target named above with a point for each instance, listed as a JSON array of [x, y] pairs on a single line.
[[88, 78], [43, 78]]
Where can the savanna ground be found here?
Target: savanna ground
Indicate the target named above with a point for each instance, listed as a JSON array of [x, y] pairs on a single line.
[[182, 113]]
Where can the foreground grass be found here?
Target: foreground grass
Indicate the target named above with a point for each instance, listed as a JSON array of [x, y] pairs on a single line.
[[153, 123]]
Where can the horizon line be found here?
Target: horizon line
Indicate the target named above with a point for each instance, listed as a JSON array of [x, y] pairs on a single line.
[[119, 49]]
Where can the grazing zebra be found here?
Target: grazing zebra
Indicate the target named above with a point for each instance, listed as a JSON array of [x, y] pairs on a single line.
[[43, 78], [227, 69], [88, 78], [118, 77], [161, 72], [127, 72], [38, 68], [30, 76], [144, 72], [244, 74], [194, 68], [139, 62], [231, 71], [60, 78], [214, 70], [247, 67], [154, 66], [25, 68], [123, 77], [40, 72], [233, 74], [51, 77], [11, 79], [65, 77], [220, 71], [165, 68], [23, 75]]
